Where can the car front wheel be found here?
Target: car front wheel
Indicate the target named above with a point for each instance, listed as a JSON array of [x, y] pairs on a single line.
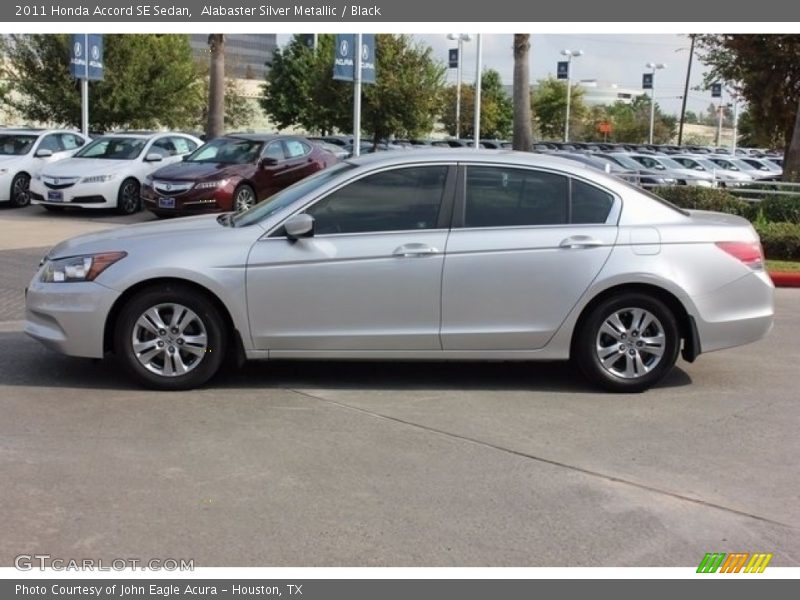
[[171, 338], [128, 197], [627, 343], [20, 190], [243, 198]]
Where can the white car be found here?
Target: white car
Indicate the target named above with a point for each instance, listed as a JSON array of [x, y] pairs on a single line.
[[23, 153], [109, 172], [724, 177]]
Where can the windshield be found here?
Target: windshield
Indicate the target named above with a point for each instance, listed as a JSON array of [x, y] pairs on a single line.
[[709, 165], [16, 145], [627, 162], [113, 148], [670, 163], [231, 151], [285, 197]]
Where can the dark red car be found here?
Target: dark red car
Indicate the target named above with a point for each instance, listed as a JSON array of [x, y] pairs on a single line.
[[232, 173]]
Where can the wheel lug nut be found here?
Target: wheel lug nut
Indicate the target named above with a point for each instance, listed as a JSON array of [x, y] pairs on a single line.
[[632, 352], [160, 344], [162, 332], [171, 349], [624, 336], [174, 330], [640, 344], [180, 341]]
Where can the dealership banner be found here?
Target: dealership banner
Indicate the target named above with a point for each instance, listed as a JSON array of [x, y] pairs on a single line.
[[394, 589], [281, 11]]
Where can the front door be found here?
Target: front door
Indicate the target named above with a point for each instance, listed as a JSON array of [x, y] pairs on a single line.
[[370, 277]]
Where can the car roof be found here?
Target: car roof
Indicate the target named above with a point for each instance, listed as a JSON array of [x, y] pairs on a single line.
[[500, 157], [263, 137], [33, 131]]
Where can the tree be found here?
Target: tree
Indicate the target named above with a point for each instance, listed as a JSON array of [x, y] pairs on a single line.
[[300, 89], [404, 101], [523, 122], [497, 111], [764, 70], [550, 104], [150, 81], [216, 86], [690, 117], [631, 122], [239, 110]]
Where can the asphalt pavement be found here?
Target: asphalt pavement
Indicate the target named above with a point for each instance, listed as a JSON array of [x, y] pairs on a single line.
[[396, 464]]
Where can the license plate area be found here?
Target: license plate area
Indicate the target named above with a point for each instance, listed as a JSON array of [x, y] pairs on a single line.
[[55, 196], [166, 203]]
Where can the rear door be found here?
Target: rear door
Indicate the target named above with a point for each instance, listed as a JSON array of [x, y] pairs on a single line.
[[526, 244]]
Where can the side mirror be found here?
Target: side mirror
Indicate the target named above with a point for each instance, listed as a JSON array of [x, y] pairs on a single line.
[[699, 168], [267, 161], [153, 157], [43, 153], [299, 226]]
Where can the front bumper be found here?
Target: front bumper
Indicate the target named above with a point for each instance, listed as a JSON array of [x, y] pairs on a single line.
[[191, 202], [5, 185], [84, 195], [69, 317]]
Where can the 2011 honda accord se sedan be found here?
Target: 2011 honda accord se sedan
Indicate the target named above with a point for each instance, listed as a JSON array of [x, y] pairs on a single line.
[[436, 254]]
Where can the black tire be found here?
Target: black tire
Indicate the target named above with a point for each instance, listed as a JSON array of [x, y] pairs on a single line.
[[128, 201], [52, 208], [631, 363], [20, 190], [244, 191], [212, 326]]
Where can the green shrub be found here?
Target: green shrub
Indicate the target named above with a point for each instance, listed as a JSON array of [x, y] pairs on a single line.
[[781, 241], [780, 209], [700, 198]]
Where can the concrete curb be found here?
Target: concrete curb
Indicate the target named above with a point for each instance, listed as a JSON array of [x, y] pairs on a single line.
[[784, 279]]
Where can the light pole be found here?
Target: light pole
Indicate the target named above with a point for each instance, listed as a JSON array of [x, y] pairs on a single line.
[[461, 38], [654, 67], [569, 54], [476, 136]]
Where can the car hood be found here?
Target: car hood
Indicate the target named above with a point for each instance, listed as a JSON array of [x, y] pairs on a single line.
[[74, 167], [192, 171], [122, 238], [690, 174]]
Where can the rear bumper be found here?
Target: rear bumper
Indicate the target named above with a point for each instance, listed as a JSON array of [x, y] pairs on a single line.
[[736, 314]]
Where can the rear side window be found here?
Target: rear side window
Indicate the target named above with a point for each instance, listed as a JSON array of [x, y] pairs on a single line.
[[504, 197], [590, 204]]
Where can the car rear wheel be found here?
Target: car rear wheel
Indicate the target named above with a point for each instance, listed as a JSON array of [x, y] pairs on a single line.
[[128, 197], [243, 198], [171, 338], [627, 343], [20, 190]]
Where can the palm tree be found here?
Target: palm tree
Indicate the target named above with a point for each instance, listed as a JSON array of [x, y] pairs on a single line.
[[523, 136], [216, 87]]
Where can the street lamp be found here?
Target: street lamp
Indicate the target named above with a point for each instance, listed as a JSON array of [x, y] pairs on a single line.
[[461, 38], [569, 54], [654, 67]]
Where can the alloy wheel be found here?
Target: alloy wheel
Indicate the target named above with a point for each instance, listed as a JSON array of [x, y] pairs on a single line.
[[630, 343], [169, 340]]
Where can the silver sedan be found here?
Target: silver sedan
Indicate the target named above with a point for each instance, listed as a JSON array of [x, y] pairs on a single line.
[[431, 255]]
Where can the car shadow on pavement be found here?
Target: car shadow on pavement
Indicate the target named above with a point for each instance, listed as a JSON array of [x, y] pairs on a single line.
[[25, 363]]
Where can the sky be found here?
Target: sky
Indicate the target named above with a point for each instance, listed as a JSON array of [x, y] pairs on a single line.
[[612, 58]]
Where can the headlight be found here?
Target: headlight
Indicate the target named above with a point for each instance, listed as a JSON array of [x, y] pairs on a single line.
[[79, 268], [210, 185], [97, 178]]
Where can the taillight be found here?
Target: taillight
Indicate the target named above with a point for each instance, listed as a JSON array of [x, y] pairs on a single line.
[[750, 253]]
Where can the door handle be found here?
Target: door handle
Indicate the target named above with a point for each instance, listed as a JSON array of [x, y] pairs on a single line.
[[410, 250], [580, 241]]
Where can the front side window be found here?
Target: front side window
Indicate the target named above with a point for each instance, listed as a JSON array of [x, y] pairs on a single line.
[[296, 148], [274, 151], [397, 200], [507, 197], [51, 142], [70, 142]]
